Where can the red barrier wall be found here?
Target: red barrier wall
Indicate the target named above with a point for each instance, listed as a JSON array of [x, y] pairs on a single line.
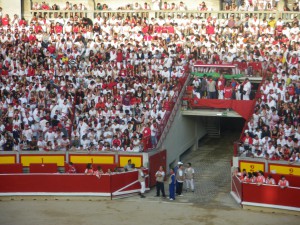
[[244, 108], [237, 187], [11, 168], [126, 182], [155, 161], [118, 181], [274, 195], [43, 168], [267, 194], [67, 183]]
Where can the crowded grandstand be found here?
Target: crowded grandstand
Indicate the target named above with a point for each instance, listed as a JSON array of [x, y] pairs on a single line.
[[108, 83]]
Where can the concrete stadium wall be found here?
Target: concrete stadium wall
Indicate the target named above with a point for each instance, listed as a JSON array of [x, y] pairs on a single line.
[[11, 7], [184, 133]]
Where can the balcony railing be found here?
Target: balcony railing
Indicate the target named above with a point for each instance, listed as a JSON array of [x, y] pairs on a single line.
[[52, 14]]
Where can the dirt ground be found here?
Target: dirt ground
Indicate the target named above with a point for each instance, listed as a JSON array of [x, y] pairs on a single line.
[[130, 211], [210, 204]]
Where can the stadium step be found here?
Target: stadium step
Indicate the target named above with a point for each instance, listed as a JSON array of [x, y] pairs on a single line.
[[212, 126], [212, 171]]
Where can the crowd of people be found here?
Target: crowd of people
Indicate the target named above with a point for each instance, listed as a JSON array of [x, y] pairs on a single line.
[[259, 179], [252, 5], [177, 177], [64, 90], [220, 88], [106, 83], [154, 5], [228, 5], [273, 131], [67, 6]]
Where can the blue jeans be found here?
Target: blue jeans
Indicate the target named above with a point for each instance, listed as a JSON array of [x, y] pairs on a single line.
[[153, 141], [212, 95], [172, 191]]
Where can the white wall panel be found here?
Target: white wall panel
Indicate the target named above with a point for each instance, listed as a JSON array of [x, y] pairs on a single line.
[[11, 7]]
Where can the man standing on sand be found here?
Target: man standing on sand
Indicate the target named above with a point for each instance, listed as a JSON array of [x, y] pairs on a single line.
[[172, 183], [180, 180], [141, 179], [160, 175], [175, 172], [189, 177]]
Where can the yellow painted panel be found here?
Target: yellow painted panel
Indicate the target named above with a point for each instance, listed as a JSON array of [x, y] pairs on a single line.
[[101, 159], [252, 166], [58, 159], [137, 160], [288, 170], [9, 159]]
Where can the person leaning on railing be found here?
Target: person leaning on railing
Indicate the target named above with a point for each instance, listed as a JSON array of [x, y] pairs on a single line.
[[202, 7], [36, 6], [260, 180], [45, 6], [99, 6], [283, 183], [54, 7]]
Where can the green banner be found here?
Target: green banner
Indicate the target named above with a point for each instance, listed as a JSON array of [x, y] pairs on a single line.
[[217, 75]]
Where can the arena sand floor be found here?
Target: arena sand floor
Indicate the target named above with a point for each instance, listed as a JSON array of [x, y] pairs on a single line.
[[210, 204], [131, 212]]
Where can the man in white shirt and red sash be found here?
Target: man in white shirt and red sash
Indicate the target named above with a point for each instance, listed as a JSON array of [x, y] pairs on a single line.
[[283, 183]]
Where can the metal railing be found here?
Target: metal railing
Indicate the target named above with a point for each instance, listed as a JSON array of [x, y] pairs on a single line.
[[148, 14], [175, 104]]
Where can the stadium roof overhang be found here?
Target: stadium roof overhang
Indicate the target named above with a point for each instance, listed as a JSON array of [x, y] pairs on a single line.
[[211, 113]]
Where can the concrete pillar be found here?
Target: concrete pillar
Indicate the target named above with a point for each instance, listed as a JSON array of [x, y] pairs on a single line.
[[195, 146], [26, 10]]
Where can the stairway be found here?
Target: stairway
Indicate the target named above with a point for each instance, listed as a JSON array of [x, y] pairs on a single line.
[[212, 171], [212, 126]]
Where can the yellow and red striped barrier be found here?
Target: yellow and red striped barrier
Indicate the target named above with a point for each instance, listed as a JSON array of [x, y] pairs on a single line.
[[8, 159], [89, 158], [59, 159], [284, 169], [137, 160], [251, 166]]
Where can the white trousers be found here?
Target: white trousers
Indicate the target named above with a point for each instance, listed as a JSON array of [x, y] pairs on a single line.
[[143, 187], [190, 184], [246, 97], [221, 94]]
